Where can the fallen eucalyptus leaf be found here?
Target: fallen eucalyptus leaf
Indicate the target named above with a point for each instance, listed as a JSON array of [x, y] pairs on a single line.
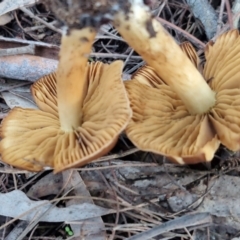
[[16, 204], [51, 184], [92, 228], [19, 99]]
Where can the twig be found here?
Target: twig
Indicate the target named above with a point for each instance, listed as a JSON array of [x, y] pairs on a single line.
[[191, 38], [30, 14], [220, 23], [229, 13], [236, 11], [114, 55], [23, 41], [30, 49], [172, 179], [34, 28], [118, 155], [188, 233], [181, 222], [15, 86]]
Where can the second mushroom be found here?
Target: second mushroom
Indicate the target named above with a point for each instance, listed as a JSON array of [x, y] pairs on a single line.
[[83, 109], [179, 111]]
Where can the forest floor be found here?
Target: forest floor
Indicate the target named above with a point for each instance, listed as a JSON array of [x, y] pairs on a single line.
[[128, 194]]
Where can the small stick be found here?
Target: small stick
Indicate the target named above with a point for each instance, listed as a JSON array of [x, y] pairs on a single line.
[[30, 49], [229, 13], [118, 155], [23, 41], [15, 86], [191, 38], [113, 55], [219, 26], [30, 14], [236, 11]]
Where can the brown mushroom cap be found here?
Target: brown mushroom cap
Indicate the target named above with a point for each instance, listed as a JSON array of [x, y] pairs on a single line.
[[33, 139], [162, 124], [222, 66]]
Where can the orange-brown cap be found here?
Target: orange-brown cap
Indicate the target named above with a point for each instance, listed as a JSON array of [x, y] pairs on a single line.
[[222, 67], [162, 124], [33, 139]]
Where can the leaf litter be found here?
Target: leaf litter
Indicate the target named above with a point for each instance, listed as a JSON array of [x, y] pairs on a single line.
[[16, 204], [118, 197]]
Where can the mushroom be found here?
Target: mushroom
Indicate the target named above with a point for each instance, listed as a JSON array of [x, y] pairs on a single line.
[[177, 111], [147, 36], [83, 108]]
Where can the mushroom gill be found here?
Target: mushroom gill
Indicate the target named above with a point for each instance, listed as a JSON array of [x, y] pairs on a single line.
[[161, 122], [83, 108]]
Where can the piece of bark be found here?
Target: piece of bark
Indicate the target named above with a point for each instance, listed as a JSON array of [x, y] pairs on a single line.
[[206, 14], [26, 67]]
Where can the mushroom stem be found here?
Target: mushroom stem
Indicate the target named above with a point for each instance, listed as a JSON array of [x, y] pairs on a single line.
[[72, 76], [146, 35]]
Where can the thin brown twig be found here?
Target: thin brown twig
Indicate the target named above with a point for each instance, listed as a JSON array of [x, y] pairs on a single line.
[[30, 14], [188, 233], [30, 42], [219, 26], [118, 155], [20, 25], [117, 213], [229, 13], [191, 38], [113, 55], [15, 86]]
